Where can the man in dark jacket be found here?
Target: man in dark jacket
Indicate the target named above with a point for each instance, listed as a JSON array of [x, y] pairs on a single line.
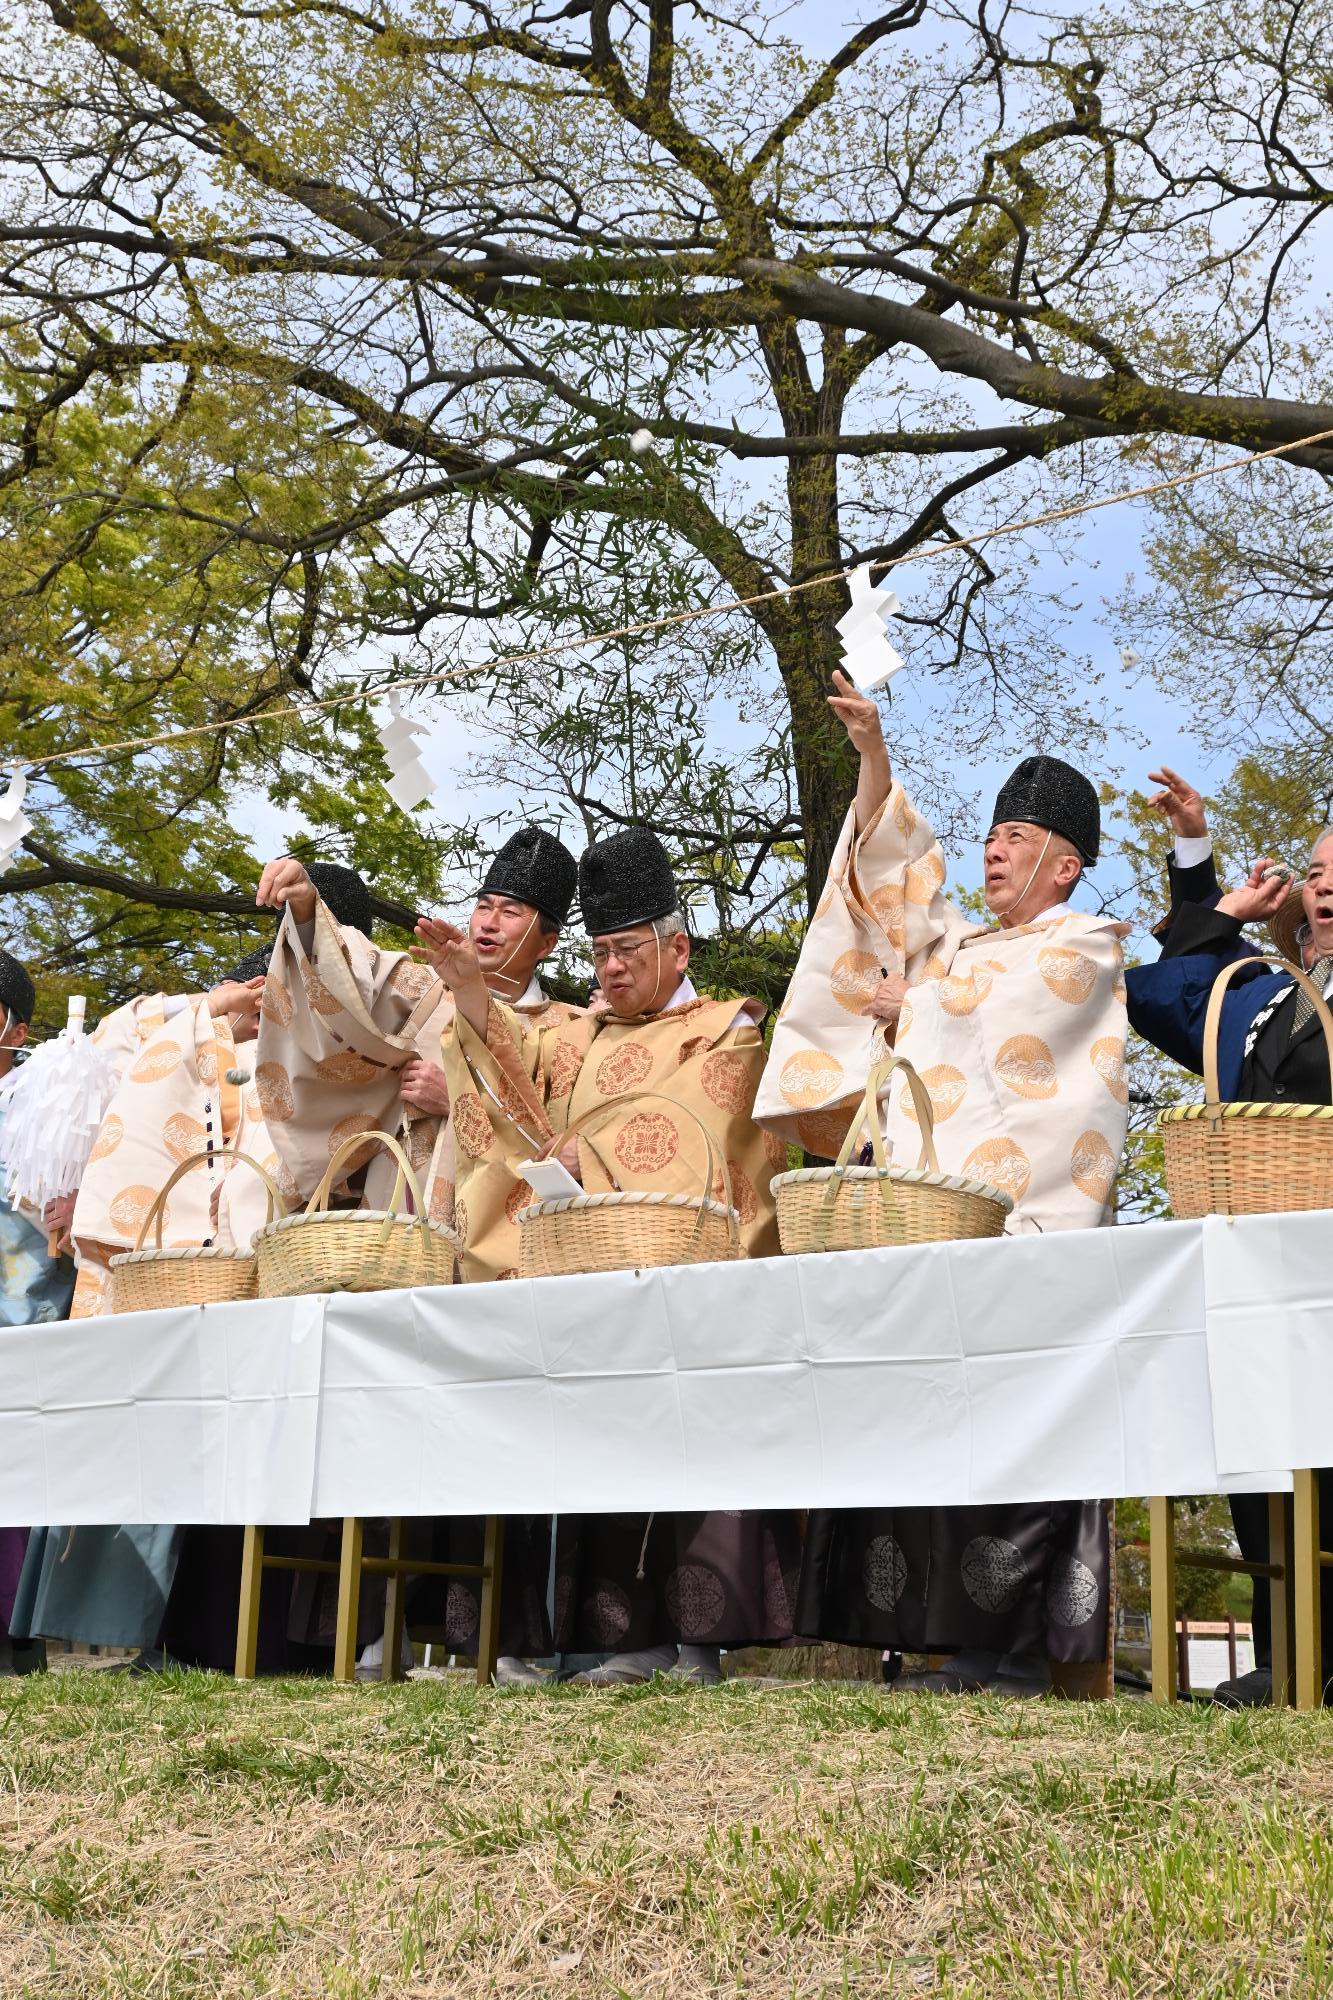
[[1271, 1049]]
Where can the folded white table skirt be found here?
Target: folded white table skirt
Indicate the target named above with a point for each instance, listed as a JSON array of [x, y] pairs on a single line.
[[1038, 1367]]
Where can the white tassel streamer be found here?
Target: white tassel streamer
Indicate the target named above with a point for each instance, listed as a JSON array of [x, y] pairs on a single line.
[[51, 1109], [14, 823]]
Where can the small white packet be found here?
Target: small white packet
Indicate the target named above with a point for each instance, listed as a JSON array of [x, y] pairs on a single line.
[[549, 1181]]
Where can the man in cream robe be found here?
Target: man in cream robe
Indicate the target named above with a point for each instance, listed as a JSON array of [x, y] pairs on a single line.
[[662, 1063], [350, 1041], [1018, 1033]]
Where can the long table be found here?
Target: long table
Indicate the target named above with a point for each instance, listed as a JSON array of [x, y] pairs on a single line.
[[1174, 1357]]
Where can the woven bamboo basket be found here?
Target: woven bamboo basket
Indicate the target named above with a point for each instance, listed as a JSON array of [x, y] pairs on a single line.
[[1248, 1159], [866, 1208], [357, 1249], [627, 1232], [145, 1280]]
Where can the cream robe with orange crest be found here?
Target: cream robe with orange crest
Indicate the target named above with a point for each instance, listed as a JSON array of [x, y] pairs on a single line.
[[1018, 1035], [526, 1082], [175, 1098], [340, 1020]]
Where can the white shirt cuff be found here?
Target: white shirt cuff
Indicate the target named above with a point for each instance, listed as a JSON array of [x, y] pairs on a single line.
[[1191, 849]]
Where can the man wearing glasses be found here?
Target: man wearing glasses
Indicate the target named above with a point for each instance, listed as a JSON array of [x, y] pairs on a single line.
[[658, 1593]]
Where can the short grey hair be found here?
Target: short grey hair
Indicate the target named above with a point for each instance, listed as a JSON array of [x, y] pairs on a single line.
[[1319, 839], [671, 926]]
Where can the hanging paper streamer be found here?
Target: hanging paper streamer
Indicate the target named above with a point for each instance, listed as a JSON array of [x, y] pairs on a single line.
[[866, 654], [408, 782], [51, 1109], [14, 824]]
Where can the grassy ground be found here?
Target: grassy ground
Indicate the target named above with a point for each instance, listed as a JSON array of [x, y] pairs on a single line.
[[192, 1838]]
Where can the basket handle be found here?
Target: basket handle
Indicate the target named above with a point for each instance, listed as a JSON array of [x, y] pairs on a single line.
[[921, 1104], [158, 1209], [319, 1200], [716, 1160], [1212, 1019]]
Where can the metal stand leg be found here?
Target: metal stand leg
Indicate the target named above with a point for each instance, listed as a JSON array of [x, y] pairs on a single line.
[[488, 1638], [1305, 1568], [247, 1624], [395, 1595], [1282, 1600], [1162, 1595], [349, 1600]]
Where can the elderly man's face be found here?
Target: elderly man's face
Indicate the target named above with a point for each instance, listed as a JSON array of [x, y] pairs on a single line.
[[638, 971], [1014, 850], [1317, 897]]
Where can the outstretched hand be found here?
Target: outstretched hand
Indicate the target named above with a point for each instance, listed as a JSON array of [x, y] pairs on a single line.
[[241, 998], [285, 883], [450, 952], [858, 715], [1179, 802], [1257, 899]]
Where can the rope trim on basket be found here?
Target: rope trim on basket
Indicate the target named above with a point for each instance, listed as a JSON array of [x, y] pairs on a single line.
[[1181, 1114], [360, 1215], [635, 1198], [198, 1253], [913, 1176]]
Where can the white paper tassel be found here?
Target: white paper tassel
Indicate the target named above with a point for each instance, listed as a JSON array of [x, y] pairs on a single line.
[[51, 1109], [14, 824], [866, 654], [408, 782]]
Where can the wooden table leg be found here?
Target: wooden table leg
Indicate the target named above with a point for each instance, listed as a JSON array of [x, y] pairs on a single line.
[[1162, 1595], [395, 1595], [1282, 1600], [1305, 1569], [488, 1637], [349, 1599], [247, 1623]]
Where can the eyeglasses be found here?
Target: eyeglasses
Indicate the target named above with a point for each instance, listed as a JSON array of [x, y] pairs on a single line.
[[602, 954]]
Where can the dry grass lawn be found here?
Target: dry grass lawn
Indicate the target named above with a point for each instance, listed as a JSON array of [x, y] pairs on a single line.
[[193, 1838]]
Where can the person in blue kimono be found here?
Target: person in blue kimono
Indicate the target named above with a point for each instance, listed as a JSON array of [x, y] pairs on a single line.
[[1270, 1050]]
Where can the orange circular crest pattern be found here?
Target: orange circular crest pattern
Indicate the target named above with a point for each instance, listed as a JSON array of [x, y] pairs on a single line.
[[1107, 1056], [854, 979], [1070, 975], [623, 1069], [945, 1087], [904, 817], [109, 1136], [690, 1050], [275, 1093], [964, 996], [1092, 1167], [743, 1197], [132, 1204], [822, 1132], [888, 906], [182, 1135], [460, 1221], [647, 1143], [810, 1078], [1025, 1065], [775, 1151], [1003, 1163], [924, 876], [410, 980], [206, 1062], [566, 1062], [726, 1081], [276, 1006], [472, 1127], [442, 1207], [317, 993], [519, 1196], [347, 1067], [156, 1063]]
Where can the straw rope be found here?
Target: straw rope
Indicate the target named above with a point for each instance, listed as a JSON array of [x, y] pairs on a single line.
[[301, 711]]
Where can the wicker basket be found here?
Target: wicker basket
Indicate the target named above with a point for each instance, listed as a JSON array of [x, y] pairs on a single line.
[[1248, 1159], [627, 1232], [865, 1208], [356, 1249], [145, 1280]]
